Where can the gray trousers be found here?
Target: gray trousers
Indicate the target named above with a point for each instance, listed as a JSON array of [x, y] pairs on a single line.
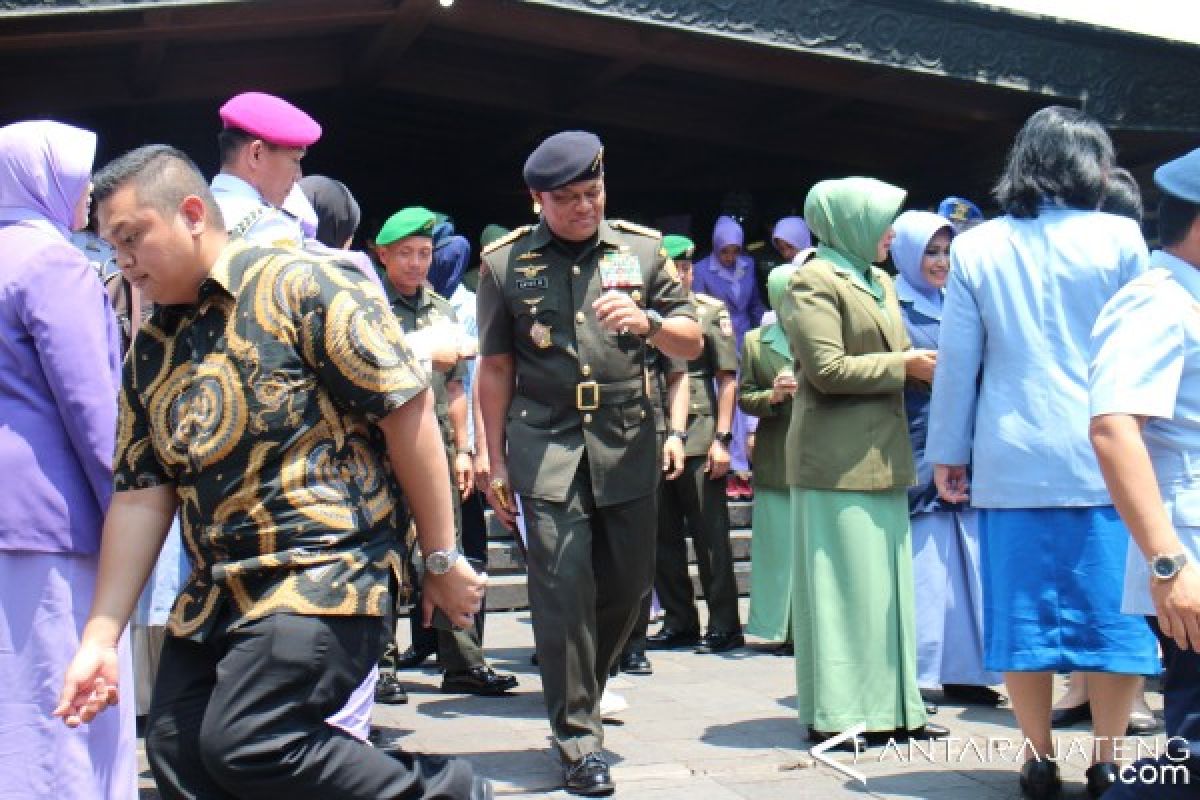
[[694, 505], [589, 568]]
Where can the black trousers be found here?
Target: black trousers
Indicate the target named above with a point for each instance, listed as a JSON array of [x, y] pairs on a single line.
[[1176, 774], [242, 715]]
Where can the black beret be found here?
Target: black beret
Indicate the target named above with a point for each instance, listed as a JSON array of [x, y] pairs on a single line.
[[564, 158]]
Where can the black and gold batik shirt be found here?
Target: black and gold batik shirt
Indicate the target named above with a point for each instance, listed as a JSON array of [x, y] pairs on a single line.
[[257, 405]]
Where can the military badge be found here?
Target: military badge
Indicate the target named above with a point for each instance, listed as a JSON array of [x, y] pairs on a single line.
[[540, 335], [532, 270], [725, 324], [526, 284], [619, 270]]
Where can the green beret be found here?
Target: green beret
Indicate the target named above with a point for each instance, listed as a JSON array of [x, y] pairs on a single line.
[[412, 221], [679, 246]]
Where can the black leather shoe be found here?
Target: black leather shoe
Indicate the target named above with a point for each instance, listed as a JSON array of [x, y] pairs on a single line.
[[927, 732], [973, 695], [389, 691], [1142, 724], [721, 642], [930, 708], [635, 663], [1066, 717], [412, 658], [852, 744], [1100, 777], [670, 639], [588, 777], [786, 649], [1040, 781], [478, 680]]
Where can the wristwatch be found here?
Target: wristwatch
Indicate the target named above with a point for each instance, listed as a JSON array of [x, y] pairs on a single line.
[[439, 562], [680, 435], [655, 320], [1165, 567], [724, 437]]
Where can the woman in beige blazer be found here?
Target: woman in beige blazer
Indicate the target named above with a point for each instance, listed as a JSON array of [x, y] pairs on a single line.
[[849, 465]]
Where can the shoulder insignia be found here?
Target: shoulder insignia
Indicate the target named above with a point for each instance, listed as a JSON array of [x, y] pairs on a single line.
[[508, 238], [709, 300], [437, 298], [632, 227], [671, 269]]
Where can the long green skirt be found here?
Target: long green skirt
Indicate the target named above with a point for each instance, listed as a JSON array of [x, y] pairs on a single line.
[[771, 565], [852, 611]]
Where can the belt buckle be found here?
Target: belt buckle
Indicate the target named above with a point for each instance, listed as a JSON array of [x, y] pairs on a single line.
[[581, 392]]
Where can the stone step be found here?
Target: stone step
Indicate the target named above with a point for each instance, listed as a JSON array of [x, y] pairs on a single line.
[[504, 557], [739, 517], [509, 592]]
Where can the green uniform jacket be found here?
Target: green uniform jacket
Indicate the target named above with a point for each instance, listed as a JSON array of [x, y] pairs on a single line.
[[719, 355], [848, 428], [760, 365], [535, 303], [424, 309]]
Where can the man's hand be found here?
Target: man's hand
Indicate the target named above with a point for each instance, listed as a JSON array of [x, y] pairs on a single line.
[[483, 470], [500, 496], [1177, 602], [952, 483], [783, 387], [90, 685], [444, 356], [618, 313], [673, 457], [464, 473], [717, 462], [459, 593], [920, 364]]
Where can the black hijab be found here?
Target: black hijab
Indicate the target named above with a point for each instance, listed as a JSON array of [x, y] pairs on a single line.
[[338, 214]]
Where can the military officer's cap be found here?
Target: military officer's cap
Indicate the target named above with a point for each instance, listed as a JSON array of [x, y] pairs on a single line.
[[411, 221], [679, 246], [1181, 177], [563, 158], [271, 119]]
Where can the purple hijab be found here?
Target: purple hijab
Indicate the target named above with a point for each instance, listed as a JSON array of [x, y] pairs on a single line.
[[736, 286], [794, 231], [60, 368]]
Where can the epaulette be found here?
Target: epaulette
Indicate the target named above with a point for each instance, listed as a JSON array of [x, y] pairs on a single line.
[[1151, 277], [632, 227], [709, 300], [436, 296], [507, 238]]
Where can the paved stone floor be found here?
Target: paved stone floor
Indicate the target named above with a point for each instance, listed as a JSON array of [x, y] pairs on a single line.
[[703, 728]]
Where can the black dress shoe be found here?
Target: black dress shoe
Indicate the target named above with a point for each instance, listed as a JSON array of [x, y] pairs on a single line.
[[635, 663], [671, 639], [973, 695], [721, 642], [927, 732], [478, 680], [786, 649], [930, 708], [852, 744], [412, 658], [588, 777], [1066, 717], [1100, 777], [389, 691], [1039, 780]]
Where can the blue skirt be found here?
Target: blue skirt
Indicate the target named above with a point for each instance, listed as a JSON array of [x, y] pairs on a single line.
[[1052, 582]]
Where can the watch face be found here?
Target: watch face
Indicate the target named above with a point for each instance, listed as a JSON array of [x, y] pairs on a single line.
[[1164, 567], [438, 563]]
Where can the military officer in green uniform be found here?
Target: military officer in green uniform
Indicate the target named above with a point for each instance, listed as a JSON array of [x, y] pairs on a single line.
[[566, 310], [697, 497], [405, 248]]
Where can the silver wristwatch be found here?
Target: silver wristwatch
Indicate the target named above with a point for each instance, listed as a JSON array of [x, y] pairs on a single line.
[[655, 321], [1166, 567], [439, 562]]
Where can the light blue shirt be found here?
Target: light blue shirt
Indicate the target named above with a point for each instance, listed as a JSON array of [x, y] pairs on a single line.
[[243, 207], [1010, 394], [463, 303], [1146, 362]]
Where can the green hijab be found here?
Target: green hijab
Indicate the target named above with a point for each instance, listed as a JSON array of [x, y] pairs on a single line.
[[850, 216], [777, 284]]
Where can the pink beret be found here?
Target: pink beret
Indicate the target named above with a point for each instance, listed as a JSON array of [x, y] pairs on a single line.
[[271, 119]]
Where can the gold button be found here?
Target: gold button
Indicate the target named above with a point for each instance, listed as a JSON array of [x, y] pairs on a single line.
[[643, 413], [575, 270], [586, 370], [587, 417], [579, 317], [524, 413]]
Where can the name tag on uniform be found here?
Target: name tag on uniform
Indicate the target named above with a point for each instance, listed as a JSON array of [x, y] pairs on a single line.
[[619, 270], [525, 284]]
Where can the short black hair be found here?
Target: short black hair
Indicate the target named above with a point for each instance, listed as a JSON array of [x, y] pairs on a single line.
[[1123, 197], [162, 176], [1060, 155], [229, 142], [1175, 219]]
